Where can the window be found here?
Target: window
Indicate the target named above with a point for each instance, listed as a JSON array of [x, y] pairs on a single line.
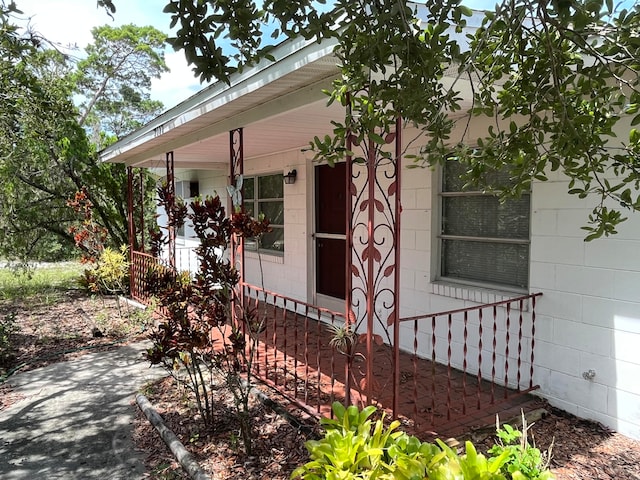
[[482, 241], [264, 195]]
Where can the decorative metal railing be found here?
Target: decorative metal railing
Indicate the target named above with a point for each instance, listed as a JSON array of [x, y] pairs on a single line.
[[142, 266], [294, 355], [478, 357], [452, 365]]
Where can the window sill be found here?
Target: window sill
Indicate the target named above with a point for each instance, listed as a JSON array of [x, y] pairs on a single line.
[[474, 293], [265, 257]]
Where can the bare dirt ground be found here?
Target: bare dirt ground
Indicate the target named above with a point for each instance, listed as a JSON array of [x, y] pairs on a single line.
[[46, 331], [76, 324]]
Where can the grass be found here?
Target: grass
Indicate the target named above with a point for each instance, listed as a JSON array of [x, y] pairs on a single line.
[[47, 282]]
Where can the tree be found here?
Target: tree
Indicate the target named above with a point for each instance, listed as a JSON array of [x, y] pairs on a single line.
[[38, 137], [552, 81], [45, 153], [114, 79]]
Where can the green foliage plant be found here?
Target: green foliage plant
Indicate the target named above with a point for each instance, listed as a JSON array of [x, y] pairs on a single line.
[[552, 84], [109, 274], [356, 447], [48, 144], [525, 461], [205, 335], [8, 326]]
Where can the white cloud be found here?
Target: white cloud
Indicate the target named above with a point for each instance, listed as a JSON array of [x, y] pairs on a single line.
[[69, 22], [176, 85]]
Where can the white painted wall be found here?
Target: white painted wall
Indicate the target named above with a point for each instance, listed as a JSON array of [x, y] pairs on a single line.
[[285, 274], [587, 319]]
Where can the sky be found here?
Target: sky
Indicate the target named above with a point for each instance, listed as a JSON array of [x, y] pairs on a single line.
[[69, 22]]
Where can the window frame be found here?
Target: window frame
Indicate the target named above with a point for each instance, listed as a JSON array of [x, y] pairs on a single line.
[[256, 208], [441, 237]]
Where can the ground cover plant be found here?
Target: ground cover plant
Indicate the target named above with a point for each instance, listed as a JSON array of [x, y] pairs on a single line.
[[356, 447], [581, 449]]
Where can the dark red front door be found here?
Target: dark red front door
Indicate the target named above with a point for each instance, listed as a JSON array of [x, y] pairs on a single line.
[[330, 234]]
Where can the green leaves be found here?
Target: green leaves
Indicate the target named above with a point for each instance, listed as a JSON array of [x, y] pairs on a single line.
[[355, 448], [45, 154], [557, 81], [114, 80], [518, 458]]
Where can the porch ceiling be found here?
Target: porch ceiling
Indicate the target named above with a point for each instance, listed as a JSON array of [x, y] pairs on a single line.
[[280, 132]]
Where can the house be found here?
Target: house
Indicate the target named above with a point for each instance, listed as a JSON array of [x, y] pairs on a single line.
[[417, 244]]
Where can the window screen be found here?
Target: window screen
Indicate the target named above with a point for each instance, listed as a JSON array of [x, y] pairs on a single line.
[[264, 195], [483, 240]]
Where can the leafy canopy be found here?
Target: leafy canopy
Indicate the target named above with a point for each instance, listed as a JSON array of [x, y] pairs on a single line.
[[45, 153], [114, 79], [554, 85]]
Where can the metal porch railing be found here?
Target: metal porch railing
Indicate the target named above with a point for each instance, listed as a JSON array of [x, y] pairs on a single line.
[[141, 266], [294, 355], [478, 358], [455, 366]]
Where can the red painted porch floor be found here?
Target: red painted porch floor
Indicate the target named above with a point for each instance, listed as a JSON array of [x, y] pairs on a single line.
[[433, 401]]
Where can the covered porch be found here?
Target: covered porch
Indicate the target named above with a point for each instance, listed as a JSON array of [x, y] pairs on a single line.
[[440, 371], [465, 366]]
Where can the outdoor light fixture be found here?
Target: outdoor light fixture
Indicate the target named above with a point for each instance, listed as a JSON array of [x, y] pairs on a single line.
[[290, 178]]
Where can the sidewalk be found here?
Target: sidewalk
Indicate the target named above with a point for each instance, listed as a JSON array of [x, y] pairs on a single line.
[[73, 419]]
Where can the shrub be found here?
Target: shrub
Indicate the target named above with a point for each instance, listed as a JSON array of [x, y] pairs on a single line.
[[109, 274], [204, 333], [355, 447], [8, 326]]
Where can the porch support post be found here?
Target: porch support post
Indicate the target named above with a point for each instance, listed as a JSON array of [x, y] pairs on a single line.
[[396, 273], [171, 185], [141, 177], [373, 263], [131, 232], [349, 314], [236, 168], [371, 245]]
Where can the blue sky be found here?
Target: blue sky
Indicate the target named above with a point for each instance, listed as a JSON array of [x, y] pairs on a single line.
[[69, 22]]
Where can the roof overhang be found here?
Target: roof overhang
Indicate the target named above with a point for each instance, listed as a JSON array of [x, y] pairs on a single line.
[[281, 105]]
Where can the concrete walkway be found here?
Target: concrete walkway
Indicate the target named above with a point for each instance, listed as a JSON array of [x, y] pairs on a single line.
[[74, 421]]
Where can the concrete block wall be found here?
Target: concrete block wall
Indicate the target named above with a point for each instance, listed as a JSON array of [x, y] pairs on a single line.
[[285, 274], [587, 358], [417, 198], [588, 318]]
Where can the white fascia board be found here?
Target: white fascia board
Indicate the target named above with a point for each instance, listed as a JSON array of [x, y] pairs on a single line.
[[290, 56]]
